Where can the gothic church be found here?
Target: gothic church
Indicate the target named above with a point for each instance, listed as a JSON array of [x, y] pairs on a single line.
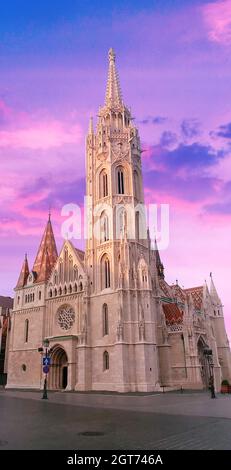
[[111, 319]]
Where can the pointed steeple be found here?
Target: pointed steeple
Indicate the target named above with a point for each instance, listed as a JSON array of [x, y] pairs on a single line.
[[47, 254], [159, 264], [213, 292], [113, 93], [23, 274]]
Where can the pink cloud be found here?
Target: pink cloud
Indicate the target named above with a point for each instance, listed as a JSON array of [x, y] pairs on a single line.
[[217, 17], [41, 136]]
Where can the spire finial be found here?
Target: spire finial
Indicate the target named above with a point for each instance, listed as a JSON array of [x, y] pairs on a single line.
[[25, 256], [49, 214], [111, 55]]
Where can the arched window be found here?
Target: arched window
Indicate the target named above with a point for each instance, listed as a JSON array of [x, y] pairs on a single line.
[[65, 289], [50, 293], [120, 180], [137, 225], [40, 295], [70, 289], [103, 184], [75, 287], [55, 278], [60, 272], [18, 299], [105, 320], [55, 292], [105, 360], [136, 185], [65, 265], [122, 220], [25, 299], [106, 281], [70, 268], [26, 334], [30, 297], [80, 286], [104, 227], [60, 291]]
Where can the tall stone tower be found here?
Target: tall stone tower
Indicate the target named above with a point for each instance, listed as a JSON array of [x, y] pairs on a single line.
[[222, 342], [118, 250]]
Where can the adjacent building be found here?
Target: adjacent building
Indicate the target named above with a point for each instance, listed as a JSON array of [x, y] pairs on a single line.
[[6, 305]]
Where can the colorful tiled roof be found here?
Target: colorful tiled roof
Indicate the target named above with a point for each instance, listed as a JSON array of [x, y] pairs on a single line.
[[178, 292], [173, 314], [23, 274], [47, 254], [166, 289], [197, 296]]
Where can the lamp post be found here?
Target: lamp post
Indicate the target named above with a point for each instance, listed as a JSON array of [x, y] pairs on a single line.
[[46, 346]]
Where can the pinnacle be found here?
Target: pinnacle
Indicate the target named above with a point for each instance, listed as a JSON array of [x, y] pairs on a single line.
[[113, 92]]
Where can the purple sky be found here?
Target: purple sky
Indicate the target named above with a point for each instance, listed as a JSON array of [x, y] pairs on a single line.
[[174, 63]]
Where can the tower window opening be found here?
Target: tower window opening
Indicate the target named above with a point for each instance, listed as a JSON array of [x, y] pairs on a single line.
[[26, 330], [120, 181], [105, 360], [105, 320]]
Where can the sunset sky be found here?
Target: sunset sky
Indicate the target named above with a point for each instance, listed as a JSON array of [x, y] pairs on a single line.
[[174, 63]]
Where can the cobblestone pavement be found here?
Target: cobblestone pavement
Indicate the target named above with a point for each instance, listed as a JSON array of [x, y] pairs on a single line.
[[168, 421]]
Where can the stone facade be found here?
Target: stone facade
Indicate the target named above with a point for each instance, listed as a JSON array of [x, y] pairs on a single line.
[[6, 305], [112, 321]]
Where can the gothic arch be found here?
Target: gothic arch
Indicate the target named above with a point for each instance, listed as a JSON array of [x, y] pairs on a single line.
[[105, 271], [58, 376], [137, 185], [121, 183], [103, 183], [143, 272], [204, 368], [104, 227]]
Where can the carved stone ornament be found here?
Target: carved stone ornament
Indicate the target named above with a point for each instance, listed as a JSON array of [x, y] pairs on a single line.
[[102, 156], [119, 149], [65, 317]]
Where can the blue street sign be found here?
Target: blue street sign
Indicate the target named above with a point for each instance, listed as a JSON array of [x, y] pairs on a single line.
[[46, 369], [46, 361]]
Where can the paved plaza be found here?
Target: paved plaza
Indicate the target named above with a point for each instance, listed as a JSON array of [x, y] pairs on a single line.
[[110, 421]]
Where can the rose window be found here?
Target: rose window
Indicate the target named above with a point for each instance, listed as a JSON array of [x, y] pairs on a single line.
[[66, 317]]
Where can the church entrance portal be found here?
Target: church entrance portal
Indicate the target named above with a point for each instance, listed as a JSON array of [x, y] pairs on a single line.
[[203, 363], [58, 376]]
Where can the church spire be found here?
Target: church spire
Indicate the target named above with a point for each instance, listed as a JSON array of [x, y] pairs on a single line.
[[23, 274], [47, 254], [213, 291], [113, 94], [159, 264]]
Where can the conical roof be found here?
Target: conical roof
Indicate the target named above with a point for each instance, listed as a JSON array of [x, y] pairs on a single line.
[[23, 274], [47, 254]]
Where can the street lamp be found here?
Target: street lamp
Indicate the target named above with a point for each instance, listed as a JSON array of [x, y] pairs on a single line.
[[46, 346], [209, 356]]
